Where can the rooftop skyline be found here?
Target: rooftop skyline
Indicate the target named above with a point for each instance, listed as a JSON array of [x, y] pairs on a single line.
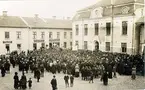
[[45, 8]]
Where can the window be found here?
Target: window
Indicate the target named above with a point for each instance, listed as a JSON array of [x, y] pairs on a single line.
[[71, 44], [77, 29], [71, 35], [65, 34], [42, 45], [7, 47], [7, 35], [108, 28], [85, 45], [18, 46], [86, 29], [50, 35], [96, 29], [124, 47], [42, 35], [142, 12], [124, 28], [58, 35], [34, 46], [18, 35], [34, 35], [76, 43], [107, 46], [65, 45]]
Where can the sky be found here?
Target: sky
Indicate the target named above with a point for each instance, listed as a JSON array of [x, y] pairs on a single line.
[[45, 8]]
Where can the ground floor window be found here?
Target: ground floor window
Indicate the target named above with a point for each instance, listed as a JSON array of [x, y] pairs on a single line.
[[35, 46], [65, 45], [85, 45], [124, 47], [7, 46], [18, 46], [107, 46]]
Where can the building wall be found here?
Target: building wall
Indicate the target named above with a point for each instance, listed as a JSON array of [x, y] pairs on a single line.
[[118, 38], [27, 40], [13, 38], [47, 39]]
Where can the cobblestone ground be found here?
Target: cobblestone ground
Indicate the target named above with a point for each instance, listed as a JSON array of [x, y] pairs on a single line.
[[119, 83]]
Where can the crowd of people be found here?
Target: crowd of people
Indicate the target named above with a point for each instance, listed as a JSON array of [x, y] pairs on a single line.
[[86, 63]]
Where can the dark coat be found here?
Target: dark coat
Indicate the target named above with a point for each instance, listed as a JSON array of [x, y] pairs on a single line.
[[54, 83]]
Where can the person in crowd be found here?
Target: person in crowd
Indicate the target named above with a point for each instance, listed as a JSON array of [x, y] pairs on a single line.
[[133, 76], [3, 71], [23, 81], [16, 80], [71, 81], [91, 77], [54, 83], [30, 83], [104, 78], [38, 73], [66, 79]]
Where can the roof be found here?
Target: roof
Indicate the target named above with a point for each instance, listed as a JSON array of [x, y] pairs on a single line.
[[108, 2], [35, 22], [58, 23], [12, 21], [98, 4], [141, 20]]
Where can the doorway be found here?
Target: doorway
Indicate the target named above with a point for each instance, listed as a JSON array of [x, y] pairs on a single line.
[[7, 46], [96, 45]]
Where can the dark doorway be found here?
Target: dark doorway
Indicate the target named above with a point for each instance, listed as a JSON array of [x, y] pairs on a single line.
[[34, 46], [7, 48], [96, 45], [50, 45]]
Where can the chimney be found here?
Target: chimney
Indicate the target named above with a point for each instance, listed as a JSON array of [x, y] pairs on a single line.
[[68, 18], [4, 13], [63, 18], [36, 15], [54, 17]]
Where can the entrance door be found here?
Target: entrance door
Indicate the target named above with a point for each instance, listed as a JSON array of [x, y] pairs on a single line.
[[50, 45], [35, 46], [96, 45], [7, 48]]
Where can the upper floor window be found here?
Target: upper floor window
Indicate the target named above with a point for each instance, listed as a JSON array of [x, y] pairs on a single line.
[[34, 35], [96, 29], [71, 35], [58, 35], [18, 35], [124, 47], [86, 29], [65, 34], [7, 35], [50, 34], [108, 28], [42, 35], [107, 46], [85, 45], [77, 29], [124, 28]]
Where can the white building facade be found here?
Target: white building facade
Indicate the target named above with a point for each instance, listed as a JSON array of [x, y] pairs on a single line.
[[29, 33], [92, 27]]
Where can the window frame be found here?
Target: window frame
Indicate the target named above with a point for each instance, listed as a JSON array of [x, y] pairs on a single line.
[[96, 26], [34, 35], [7, 35], [107, 46], [108, 28], [85, 29], [77, 30], [124, 27], [124, 47]]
